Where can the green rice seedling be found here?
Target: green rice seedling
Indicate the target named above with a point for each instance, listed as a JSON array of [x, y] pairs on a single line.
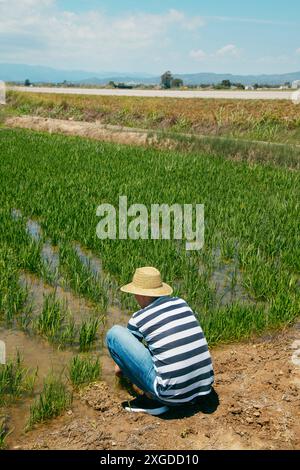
[[15, 380], [233, 280], [4, 433], [81, 279], [88, 333], [55, 322], [284, 310], [50, 320], [13, 296], [69, 333], [52, 401], [26, 249], [24, 319], [84, 370], [233, 323]]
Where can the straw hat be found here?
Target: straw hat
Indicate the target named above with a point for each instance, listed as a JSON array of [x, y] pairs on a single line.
[[147, 281]]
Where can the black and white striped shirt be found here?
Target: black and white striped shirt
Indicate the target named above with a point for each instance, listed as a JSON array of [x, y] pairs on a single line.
[[178, 347]]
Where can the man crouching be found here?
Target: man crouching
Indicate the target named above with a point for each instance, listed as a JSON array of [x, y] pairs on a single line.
[[163, 350]]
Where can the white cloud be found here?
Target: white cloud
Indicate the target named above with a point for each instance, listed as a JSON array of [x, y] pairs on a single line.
[[228, 50], [186, 22], [36, 31], [197, 54], [298, 51]]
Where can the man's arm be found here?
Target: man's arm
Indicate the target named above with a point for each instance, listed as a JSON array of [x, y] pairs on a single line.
[[132, 327]]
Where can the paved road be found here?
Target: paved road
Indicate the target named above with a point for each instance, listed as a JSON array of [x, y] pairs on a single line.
[[241, 95]]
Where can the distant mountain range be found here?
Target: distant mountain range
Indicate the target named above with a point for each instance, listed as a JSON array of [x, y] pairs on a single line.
[[38, 74]]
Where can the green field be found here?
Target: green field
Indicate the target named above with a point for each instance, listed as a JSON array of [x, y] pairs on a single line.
[[244, 281]]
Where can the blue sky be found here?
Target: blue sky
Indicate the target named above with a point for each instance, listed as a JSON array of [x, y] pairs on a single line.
[[152, 36]]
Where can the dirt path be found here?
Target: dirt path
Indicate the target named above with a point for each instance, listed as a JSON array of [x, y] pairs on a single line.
[[93, 130], [127, 135], [257, 384]]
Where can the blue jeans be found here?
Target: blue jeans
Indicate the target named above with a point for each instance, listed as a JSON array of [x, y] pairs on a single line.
[[133, 358]]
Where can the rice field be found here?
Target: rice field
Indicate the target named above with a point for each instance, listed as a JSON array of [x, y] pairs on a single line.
[[59, 282], [251, 226]]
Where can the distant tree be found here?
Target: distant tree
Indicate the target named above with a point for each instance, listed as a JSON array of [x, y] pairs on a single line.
[[177, 82], [166, 80], [255, 86], [27, 82], [226, 83], [124, 86], [112, 84], [240, 86]]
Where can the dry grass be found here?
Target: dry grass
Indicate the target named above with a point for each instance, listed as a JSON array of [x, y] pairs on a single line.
[[270, 120]]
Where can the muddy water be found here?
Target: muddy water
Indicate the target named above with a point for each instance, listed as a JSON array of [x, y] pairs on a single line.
[[80, 308], [36, 353], [227, 284], [88, 259], [49, 253], [226, 279], [50, 256], [34, 230]]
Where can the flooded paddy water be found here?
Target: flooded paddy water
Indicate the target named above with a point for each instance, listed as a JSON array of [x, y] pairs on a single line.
[[38, 353], [89, 260]]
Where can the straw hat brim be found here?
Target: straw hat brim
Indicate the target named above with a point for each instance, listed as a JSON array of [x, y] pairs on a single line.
[[131, 288]]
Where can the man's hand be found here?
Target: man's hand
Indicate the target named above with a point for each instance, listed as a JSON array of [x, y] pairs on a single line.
[[118, 371]]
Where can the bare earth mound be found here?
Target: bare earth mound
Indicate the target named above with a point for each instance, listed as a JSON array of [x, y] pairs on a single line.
[[257, 385], [93, 130]]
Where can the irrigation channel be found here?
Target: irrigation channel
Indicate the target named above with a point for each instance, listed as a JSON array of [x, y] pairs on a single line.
[[38, 354]]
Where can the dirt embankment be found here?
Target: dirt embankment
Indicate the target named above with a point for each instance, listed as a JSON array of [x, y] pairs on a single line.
[[92, 130], [257, 386], [236, 149]]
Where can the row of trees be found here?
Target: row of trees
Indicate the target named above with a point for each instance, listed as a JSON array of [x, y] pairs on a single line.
[[168, 81]]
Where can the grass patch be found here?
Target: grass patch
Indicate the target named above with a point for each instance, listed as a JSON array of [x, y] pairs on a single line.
[[4, 433], [80, 277], [15, 380], [84, 370], [56, 324], [13, 297], [88, 333], [52, 401]]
